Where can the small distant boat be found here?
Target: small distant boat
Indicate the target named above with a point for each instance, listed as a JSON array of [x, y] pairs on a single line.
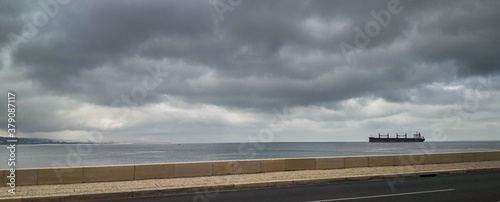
[[417, 137]]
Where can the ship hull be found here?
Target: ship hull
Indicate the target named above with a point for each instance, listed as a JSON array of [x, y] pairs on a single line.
[[374, 139]]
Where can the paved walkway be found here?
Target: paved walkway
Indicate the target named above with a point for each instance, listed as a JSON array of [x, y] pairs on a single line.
[[174, 186]]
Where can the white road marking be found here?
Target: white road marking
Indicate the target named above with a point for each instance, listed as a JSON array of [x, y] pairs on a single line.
[[385, 195]]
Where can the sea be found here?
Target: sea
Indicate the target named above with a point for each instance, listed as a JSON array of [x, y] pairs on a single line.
[[74, 155]]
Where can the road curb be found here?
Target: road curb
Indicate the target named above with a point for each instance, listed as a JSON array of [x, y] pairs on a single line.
[[243, 186]]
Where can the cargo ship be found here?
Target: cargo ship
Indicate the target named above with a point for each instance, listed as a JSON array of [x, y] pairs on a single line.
[[417, 137]]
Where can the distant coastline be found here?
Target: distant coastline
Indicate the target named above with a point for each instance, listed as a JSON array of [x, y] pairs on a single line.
[[20, 140]]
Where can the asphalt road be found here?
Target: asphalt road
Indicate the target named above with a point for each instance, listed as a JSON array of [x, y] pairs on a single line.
[[473, 187]]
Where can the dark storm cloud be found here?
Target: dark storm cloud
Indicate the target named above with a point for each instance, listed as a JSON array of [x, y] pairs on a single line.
[[465, 32], [87, 35], [96, 51], [11, 19]]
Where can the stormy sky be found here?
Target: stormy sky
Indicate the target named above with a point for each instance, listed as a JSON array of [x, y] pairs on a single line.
[[250, 70]]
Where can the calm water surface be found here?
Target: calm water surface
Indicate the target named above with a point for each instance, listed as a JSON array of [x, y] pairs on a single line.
[[35, 156]]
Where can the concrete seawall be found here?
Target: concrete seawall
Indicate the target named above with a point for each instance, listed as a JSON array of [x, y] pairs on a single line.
[[71, 175]]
